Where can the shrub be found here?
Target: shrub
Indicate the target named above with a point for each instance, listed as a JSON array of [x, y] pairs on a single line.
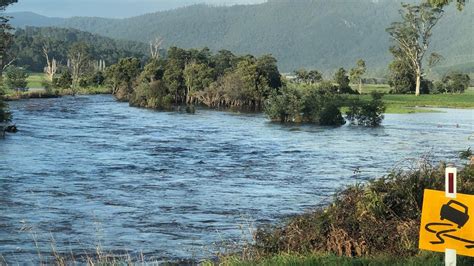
[[369, 114], [152, 95], [15, 78], [378, 218], [63, 81], [456, 82], [285, 106], [316, 106], [322, 108]]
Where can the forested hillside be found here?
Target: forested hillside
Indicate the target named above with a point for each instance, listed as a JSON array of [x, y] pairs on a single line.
[[29, 42], [304, 33]]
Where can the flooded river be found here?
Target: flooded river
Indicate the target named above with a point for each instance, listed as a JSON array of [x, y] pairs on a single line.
[[86, 171]]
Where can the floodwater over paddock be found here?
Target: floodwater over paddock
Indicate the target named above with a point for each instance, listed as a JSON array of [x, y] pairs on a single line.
[[87, 171]]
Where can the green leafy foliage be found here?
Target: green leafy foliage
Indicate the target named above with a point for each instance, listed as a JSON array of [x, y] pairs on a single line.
[[285, 106], [320, 106], [193, 76], [369, 114], [152, 95], [122, 76], [15, 78], [342, 80]]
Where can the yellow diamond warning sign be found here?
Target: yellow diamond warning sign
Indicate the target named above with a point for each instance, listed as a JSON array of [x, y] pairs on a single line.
[[447, 223]]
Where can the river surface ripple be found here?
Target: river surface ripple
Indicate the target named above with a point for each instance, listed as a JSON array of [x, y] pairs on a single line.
[[88, 170]]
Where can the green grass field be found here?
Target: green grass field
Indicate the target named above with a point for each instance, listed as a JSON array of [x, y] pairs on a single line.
[[408, 103], [35, 80]]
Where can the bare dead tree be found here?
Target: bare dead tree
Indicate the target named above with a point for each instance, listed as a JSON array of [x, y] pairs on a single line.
[[155, 46], [51, 65]]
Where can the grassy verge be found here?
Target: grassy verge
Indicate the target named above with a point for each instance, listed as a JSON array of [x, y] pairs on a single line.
[[331, 260]]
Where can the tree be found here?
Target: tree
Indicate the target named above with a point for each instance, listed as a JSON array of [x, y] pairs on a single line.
[[223, 62], [197, 77], [302, 75], [314, 76], [342, 80], [121, 76], [155, 46], [6, 36], [412, 35], [284, 107], [456, 82], [153, 70], [15, 78], [357, 73], [267, 67], [79, 58], [51, 65], [401, 77], [369, 114], [63, 80]]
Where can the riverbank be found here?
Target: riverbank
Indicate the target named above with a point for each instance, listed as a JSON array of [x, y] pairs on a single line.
[[41, 93], [376, 223], [395, 103]]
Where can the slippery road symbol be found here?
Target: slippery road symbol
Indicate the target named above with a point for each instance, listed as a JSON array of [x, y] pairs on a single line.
[[458, 214]]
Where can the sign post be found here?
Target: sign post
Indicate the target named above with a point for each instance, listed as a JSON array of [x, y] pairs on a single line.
[[447, 220], [451, 188]]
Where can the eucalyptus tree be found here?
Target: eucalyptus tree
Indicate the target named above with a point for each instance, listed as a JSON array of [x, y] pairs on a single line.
[[412, 35], [357, 72], [79, 62]]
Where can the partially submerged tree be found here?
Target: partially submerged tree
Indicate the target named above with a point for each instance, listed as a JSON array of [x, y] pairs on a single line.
[[357, 73], [412, 35], [367, 113]]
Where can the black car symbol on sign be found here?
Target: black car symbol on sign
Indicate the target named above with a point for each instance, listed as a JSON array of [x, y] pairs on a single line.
[[454, 215]]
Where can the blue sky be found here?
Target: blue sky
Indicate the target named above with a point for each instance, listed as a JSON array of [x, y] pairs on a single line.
[[109, 8]]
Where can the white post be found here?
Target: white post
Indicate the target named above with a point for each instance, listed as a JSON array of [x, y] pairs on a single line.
[[450, 188]]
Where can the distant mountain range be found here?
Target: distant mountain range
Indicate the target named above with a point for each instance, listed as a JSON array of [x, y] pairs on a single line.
[[304, 33]]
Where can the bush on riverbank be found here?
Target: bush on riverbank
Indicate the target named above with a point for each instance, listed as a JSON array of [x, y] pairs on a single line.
[[380, 218]]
